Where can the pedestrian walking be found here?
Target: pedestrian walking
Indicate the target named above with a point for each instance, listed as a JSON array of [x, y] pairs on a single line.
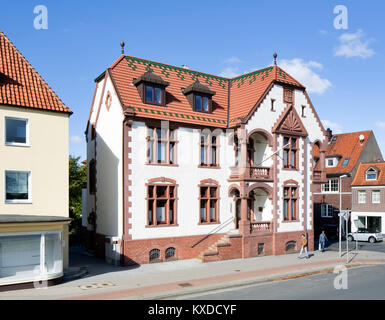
[[303, 247], [322, 241]]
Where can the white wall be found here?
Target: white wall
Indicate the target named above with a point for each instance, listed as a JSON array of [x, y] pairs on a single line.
[[188, 177]]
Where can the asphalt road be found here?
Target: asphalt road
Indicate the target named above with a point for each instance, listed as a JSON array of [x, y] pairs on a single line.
[[364, 283], [362, 245]]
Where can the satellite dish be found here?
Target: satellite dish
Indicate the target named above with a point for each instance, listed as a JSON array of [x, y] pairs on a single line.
[[361, 137]]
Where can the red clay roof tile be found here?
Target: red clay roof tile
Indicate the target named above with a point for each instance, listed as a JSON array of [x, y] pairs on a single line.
[[21, 85], [360, 177], [234, 98]]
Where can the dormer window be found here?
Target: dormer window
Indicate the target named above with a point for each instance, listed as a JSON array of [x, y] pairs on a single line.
[[201, 103], [199, 96], [371, 174], [154, 94], [151, 88]]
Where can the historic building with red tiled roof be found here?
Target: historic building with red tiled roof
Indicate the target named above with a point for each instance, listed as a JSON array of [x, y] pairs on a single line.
[[344, 154], [184, 164], [368, 197], [34, 154]]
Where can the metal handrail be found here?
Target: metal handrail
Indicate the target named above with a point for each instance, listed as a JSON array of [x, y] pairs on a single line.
[[216, 229]]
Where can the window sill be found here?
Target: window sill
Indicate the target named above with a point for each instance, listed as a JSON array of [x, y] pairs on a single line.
[[207, 223], [154, 104], [290, 221], [162, 225], [290, 169], [18, 201], [162, 164], [209, 167], [17, 145]]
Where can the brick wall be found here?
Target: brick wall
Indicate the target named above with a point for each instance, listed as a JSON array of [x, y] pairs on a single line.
[[368, 206]]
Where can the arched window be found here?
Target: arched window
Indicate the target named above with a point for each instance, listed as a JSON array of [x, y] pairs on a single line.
[[161, 202], [154, 255], [290, 246], [170, 253]]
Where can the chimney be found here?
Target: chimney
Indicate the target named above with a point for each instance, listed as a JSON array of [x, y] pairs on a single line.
[[329, 134]]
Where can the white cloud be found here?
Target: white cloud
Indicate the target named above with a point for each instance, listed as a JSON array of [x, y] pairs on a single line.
[[230, 72], [75, 139], [233, 60], [380, 124], [304, 73], [353, 45], [335, 127]]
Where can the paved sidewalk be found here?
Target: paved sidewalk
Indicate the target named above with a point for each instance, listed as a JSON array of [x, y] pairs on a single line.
[[170, 279]]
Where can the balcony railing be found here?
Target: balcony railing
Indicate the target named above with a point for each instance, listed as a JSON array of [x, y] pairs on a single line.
[[261, 226], [254, 173]]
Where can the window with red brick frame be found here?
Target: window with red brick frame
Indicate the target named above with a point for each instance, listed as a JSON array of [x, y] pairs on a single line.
[[209, 149], [290, 153], [208, 202], [161, 146], [290, 203], [161, 204]]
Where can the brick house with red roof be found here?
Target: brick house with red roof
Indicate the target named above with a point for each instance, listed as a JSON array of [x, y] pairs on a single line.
[[368, 197], [344, 154], [34, 201], [184, 164]]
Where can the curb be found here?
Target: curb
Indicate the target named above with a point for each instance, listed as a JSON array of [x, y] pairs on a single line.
[[75, 273], [248, 282]]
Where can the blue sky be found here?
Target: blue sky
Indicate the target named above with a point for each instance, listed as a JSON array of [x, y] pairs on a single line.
[[343, 69]]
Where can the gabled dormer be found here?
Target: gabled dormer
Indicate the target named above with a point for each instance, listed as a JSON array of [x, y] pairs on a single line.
[[151, 88], [199, 96], [371, 174], [333, 160]]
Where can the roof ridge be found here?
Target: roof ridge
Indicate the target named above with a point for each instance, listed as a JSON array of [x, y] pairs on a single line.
[[34, 71]]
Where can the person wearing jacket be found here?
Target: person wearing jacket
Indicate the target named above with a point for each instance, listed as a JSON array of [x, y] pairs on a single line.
[[303, 247], [322, 241]]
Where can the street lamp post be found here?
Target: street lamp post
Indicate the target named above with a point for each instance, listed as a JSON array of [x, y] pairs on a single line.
[[339, 215]]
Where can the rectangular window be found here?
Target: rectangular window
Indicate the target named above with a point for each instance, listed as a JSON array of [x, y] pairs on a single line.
[[16, 131], [17, 186], [154, 95], [290, 206], [361, 196], [346, 161], [161, 202], [290, 153], [331, 186], [376, 196], [161, 146], [208, 150], [272, 105], [303, 111], [202, 103], [327, 210], [208, 204]]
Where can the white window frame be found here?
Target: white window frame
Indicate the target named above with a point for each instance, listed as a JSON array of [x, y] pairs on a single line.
[[43, 275], [328, 209], [329, 183], [375, 172], [359, 194], [332, 165], [17, 144], [29, 200], [376, 196]]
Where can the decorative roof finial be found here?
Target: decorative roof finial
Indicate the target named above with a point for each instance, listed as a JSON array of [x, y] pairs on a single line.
[[122, 45], [275, 58]]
